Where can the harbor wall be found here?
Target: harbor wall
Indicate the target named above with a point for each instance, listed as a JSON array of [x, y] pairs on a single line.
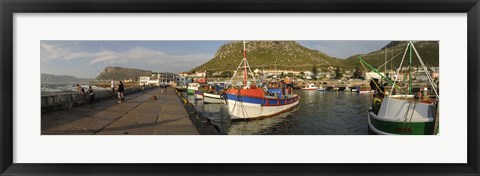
[[66, 100]]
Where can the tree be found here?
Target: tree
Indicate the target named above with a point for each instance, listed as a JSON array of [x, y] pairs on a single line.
[[208, 73], [357, 74], [226, 74], [290, 75], [338, 74], [314, 72]]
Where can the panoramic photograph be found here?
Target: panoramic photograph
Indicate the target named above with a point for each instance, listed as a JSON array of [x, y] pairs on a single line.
[[220, 87]]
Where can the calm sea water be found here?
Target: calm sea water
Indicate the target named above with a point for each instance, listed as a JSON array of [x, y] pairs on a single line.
[[327, 113]]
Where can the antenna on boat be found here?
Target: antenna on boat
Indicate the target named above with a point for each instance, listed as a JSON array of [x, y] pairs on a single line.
[[245, 66]]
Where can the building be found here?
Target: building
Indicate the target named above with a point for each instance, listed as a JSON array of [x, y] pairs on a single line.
[[370, 75], [157, 79]]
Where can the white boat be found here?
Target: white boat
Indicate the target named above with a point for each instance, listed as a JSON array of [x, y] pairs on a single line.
[[250, 101], [213, 98], [366, 91], [310, 87], [403, 114], [321, 88], [192, 87]]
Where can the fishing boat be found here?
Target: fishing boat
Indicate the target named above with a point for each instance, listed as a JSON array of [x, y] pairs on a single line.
[[213, 94], [249, 101], [404, 113], [310, 87], [192, 87], [198, 95]]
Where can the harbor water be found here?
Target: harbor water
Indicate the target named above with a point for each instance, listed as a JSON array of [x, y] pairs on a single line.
[[318, 113]]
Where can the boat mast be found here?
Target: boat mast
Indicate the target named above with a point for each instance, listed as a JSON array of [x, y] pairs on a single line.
[[410, 69], [385, 73], [359, 58], [244, 65]]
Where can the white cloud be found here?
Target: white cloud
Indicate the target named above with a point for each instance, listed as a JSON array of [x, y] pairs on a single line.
[[133, 57]]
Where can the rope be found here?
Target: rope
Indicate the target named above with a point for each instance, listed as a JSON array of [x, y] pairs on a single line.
[[411, 117]]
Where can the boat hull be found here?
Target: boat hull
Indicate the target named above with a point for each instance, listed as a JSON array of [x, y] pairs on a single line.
[[384, 127], [251, 108], [213, 98], [198, 95], [402, 116]]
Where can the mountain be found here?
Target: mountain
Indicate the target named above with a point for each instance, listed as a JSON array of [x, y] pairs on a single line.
[[428, 51], [63, 79], [266, 55], [291, 55], [121, 73]]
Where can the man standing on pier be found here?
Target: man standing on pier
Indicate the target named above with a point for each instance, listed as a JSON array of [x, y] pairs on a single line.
[[120, 90]]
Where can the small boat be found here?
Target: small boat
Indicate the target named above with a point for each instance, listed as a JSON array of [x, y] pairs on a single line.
[[364, 90], [192, 87], [198, 95], [250, 101], [321, 88], [310, 87], [347, 89], [211, 98], [181, 88]]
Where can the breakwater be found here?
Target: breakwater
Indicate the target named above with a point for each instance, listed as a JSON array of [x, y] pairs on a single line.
[[66, 100]]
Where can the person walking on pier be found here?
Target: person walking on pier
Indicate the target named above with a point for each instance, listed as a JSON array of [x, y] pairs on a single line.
[[120, 90], [90, 92], [112, 85]]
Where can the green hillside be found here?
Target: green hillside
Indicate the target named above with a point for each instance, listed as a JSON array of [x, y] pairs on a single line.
[[264, 55], [292, 56], [428, 51]]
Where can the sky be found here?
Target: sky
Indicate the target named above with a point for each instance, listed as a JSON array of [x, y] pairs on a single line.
[[86, 59]]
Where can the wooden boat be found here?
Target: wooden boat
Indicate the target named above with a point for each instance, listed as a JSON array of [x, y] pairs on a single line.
[[250, 101], [403, 114]]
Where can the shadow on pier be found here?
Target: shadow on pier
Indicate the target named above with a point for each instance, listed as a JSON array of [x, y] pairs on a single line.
[[152, 112]]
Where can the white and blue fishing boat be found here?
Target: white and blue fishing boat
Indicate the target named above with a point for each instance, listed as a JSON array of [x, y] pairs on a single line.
[[250, 101]]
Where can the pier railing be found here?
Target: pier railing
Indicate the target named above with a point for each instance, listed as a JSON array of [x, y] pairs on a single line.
[[60, 101]]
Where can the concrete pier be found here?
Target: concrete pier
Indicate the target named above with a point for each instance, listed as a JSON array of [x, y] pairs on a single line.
[[152, 112]]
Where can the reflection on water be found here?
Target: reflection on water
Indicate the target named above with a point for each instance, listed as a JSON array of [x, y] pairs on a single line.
[[317, 113]]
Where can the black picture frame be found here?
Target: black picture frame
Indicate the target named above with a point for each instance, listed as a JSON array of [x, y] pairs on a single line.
[[9, 7]]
